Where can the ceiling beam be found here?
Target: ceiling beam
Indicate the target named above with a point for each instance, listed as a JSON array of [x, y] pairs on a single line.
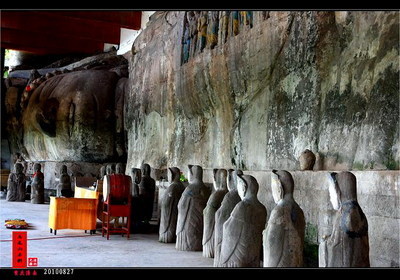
[[62, 32], [125, 19], [56, 44], [51, 24]]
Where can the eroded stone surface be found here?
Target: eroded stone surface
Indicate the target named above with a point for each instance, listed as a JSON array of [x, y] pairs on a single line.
[[294, 80]]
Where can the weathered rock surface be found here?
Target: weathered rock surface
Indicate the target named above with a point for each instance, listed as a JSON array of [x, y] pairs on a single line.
[[327, 81]]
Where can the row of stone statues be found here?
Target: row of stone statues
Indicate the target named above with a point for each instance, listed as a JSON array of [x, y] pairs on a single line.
[[208, 28], [16, 185], [230, 224]]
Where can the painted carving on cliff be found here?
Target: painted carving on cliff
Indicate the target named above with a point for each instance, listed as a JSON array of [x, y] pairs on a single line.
[[169, 207], [207, 29], [202, 30], [283, 238], [348, 244], [212, 29], [189, 231], [223, 27], [242, 232]]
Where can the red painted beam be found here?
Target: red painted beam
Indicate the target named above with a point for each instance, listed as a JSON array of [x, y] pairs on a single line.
[[52, 24], [126, 19]]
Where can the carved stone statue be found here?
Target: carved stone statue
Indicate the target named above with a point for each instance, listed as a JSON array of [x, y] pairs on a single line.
[[147, 189], [234, 23], [223, 213], [223, 27], [242, 232], [202, 30], [213, 203], [64, 187], [136, 178], [62, 114], [192, 17], [16, 184], [110, 168], [136, 208], [348, 245], [37, 191], [102, 172], [186, 42], [169, 207], [189, 231], [307, 160], [120, 168], [246, 18], [212, 29], [283, 238]]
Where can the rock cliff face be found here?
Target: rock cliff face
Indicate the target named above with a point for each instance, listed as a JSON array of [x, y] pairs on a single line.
[[327, 81]]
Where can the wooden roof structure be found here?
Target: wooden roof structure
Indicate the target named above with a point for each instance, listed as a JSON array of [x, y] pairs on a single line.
[[47, 32]]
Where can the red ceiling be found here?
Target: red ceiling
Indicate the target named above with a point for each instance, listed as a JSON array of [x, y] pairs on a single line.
[[64, 32]]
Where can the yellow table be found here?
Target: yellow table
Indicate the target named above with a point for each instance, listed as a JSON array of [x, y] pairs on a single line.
[[72, 213], [83, 192]]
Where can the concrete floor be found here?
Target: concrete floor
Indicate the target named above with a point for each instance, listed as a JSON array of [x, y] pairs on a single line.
[[74, 248]]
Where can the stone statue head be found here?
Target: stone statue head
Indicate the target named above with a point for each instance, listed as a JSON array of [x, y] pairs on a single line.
[[174, 174], [37, 167], [281, 184], [70, 111], [136, 175], [247, 186], [18, 168], [146, 169], [220, 179], [110, 169], [307, 160], [120, 168], [102, 171], [231, 179], [342, 187], [195, 173], [63, 170]]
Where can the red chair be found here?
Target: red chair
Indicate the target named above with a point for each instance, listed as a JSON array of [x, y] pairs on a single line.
[[117, 203]]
